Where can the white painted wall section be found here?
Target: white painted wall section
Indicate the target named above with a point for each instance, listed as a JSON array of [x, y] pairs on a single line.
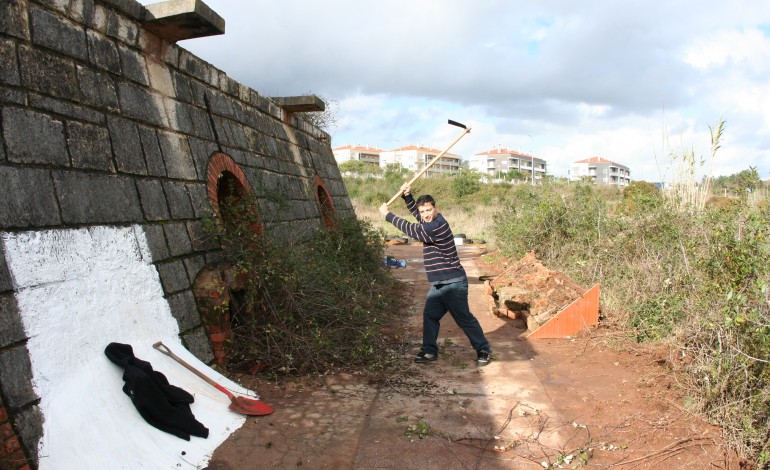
[[79, 290]]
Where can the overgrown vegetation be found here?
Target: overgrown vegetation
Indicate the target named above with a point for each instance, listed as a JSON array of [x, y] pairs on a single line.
[[696, 281], [682, 266], [323, 302], [673, 269]]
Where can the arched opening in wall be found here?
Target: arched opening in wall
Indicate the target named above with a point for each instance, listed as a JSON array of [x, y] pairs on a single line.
[[230, 193], [325, 203], [219, 291], [231, 196]]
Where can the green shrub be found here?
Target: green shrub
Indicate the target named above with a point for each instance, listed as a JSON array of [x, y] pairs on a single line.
[[439, 187], [359, 167], [554, 222], [395, 173], [730, 338], [640, 196], [724, 204], [465, 183], [738, 249], [376, 198], [695, 280], [653, 319], [308, 306]]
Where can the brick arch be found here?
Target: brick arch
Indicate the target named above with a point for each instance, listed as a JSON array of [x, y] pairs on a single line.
[[325, 203], [222, 168], [216, 286], [220, 165]]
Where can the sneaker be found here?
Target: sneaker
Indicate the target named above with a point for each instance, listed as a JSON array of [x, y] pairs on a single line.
[[423, 357], [483, 357]]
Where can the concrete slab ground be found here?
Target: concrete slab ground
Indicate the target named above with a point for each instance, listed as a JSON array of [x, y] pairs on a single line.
[[443, 415]]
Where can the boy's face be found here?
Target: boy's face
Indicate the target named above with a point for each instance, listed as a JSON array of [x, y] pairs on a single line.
[[428, 212]]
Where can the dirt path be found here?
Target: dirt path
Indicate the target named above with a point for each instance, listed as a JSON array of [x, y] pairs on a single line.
[[577, 403]]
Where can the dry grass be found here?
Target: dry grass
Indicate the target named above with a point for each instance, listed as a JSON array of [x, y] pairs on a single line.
[[477, 221]]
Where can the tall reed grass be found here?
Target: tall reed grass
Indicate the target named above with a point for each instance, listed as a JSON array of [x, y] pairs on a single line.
[[685, 193]]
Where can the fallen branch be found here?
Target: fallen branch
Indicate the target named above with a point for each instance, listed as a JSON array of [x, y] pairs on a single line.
[[669, 449]]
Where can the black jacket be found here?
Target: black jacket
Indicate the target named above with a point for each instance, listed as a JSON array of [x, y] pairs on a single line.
[[162, 405]]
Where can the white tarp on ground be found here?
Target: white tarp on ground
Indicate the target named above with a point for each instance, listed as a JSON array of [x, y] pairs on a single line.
[[79, 290]]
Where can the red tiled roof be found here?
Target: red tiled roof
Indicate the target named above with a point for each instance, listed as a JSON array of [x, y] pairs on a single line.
[[358, 148], [505, 151], [595, 160], [415, 147]]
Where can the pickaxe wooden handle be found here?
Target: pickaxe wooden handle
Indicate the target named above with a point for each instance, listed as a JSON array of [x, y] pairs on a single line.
[[425, 168]]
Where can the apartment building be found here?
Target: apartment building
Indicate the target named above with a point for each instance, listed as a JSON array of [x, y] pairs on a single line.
[[602, 171], [499, 161], [355, 152], [415, 158]]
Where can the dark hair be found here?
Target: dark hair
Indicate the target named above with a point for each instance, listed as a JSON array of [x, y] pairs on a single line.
[[425, 199]]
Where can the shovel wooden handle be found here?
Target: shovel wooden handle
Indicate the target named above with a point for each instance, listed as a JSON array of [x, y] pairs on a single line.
[[165, 350], [248, 406], [435, 159]]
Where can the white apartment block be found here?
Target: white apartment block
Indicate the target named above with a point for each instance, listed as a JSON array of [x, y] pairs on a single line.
[[602, 171], [356, 152], [499, 161], [415, 158]]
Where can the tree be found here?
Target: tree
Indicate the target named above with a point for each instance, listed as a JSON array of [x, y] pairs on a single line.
[[396, 172], [516, 175], [326, 119], [357, 167], [746, 180]]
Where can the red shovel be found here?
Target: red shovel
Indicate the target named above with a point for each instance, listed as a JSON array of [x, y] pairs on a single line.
[[247, 406]]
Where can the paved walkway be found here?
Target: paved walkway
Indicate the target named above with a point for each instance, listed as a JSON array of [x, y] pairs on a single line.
[[444, 415]]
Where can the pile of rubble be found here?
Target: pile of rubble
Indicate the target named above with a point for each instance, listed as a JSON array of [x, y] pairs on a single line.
[[529, 291]]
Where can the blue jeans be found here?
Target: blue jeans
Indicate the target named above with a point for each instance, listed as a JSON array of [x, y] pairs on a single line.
[[454, 299]]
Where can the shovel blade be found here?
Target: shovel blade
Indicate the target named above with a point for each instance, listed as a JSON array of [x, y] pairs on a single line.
[[250, 406]]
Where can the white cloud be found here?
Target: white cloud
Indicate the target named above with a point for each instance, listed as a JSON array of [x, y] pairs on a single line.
[[560, 79], [748, 48], [588, 111]]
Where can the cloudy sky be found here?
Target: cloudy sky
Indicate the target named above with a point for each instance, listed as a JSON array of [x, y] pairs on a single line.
[[631, 81]]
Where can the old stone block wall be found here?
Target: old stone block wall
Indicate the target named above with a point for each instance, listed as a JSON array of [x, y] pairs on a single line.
[[104, 123]]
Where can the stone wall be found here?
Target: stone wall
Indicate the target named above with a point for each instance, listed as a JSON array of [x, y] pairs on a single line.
[[103, 121]]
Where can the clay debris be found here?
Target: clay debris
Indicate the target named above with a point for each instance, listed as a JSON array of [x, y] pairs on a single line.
[[530, 291]]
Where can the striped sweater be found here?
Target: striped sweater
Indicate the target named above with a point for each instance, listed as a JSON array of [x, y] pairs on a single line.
[[439, 250]]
